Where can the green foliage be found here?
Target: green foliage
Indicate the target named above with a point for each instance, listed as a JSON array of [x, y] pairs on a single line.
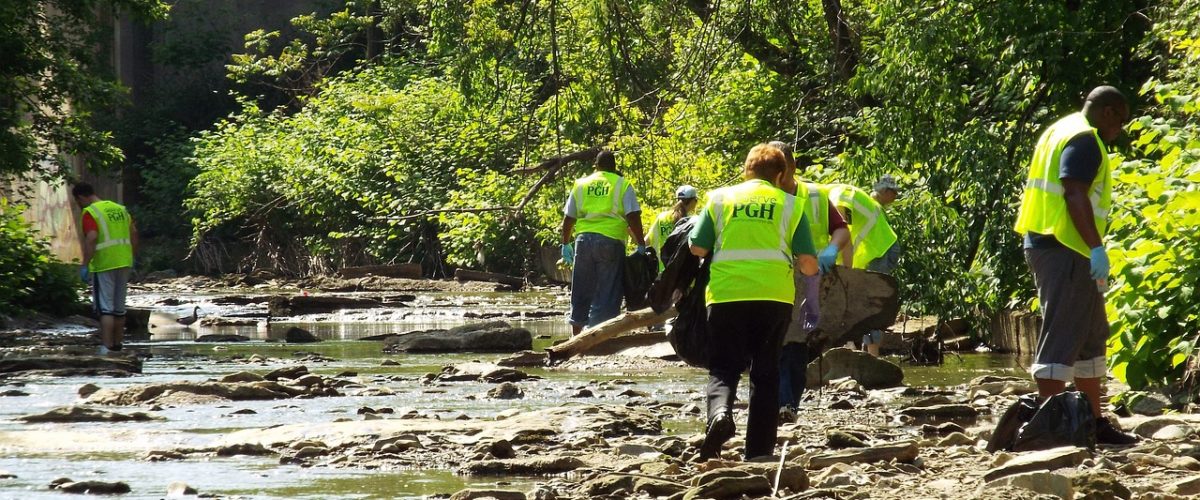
[[52, 82], [1157, 217], [29, 277]]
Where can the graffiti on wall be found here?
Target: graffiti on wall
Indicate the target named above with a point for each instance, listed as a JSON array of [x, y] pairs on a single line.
[[52, 212]]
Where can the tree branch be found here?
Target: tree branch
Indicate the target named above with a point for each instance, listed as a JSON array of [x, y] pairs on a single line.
[[755, 44]]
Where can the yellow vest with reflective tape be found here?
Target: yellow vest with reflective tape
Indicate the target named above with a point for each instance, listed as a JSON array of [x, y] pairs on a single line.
[[752, 255], [870, 232], [815, 198], [663, 226], [600, 205], [114, 249], [1043, 206]]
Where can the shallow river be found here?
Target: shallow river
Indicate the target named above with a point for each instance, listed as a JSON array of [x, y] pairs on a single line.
[[40, 453]]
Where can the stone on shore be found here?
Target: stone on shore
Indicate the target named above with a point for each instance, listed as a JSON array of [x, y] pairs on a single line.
[[473, 494], [1098, 485], [1039, 482], [70, 366], [904, 451], [493, 336], [297, 335], [71, 414], [524, 466], [192, 392], [222, 337], [869, 371], [179, 489], [1185, 486], [943, 412], [506, 390], [524, 359], [1054, 458], [486, 372], [90, 487]]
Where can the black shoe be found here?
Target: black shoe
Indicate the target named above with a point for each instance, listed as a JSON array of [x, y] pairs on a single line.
[[720, 429], [787, 415], [1107, 433], [117, 347]]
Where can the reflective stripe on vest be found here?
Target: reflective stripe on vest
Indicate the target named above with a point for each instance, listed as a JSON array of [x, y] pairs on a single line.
[[1043, 205], [752, 257], [601, 214], [114, 248], [817, 210], [870, 232]]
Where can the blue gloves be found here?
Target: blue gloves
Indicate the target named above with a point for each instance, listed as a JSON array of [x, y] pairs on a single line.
[[1100, 264], [827, 259], [641, 249], [568, 254], [83, 273]]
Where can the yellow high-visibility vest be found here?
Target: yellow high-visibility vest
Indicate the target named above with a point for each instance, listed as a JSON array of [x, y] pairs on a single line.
[[114, 249], [870, 231], [1043, 206], [600, 205], [815, 198], [752, 255], [663, 226]]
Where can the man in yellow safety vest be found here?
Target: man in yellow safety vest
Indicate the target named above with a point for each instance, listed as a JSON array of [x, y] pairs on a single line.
[[601, 209], [1063, 215], [109, 242], [872, 238], [754, 234]]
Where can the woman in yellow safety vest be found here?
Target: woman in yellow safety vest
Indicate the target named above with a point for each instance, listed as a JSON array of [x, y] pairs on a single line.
[[664, 223], [753, 234]]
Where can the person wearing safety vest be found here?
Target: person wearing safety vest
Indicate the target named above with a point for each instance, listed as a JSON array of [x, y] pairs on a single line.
[[830, 233], [872, 239], [109, 242], [1064, 215], [601, 209], [754, 234], [664, 223]]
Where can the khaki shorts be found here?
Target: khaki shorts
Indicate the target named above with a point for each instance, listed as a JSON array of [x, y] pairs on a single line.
[[108, 291], [1071, 343]]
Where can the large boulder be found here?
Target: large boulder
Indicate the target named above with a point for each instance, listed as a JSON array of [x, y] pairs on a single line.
[[853, 302], [869, 371], [70, 366], [493, 336], [486, 372], [318, 304], [199, 391], [70, 414], [297, 335]]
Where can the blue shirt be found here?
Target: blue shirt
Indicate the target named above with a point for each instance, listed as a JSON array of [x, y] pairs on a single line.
[[1080, 160]]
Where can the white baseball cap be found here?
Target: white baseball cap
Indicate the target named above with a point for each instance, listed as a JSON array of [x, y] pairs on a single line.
[[887, 182], [685, 192]]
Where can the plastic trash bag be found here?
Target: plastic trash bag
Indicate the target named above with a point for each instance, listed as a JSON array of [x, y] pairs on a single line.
[[689, 334], [640, 270], [1014, 417], [1065, 419]]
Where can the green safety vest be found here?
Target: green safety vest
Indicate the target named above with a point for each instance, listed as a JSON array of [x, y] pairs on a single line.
[[816, 206], [870, 232], [663, 226], [600, 205], [752, 258], [1043, 207], [114, 249]]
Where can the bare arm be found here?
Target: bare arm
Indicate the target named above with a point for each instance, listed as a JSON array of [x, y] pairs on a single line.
[[1080, 207], [841, 238], [133, 236], [698, 251], [89, 246], [568, 227], [634, 219]]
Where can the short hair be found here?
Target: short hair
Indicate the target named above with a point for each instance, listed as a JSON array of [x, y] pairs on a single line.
[[787, 151], [1106, 96], [605, 160], [766, 161], [83, 189]]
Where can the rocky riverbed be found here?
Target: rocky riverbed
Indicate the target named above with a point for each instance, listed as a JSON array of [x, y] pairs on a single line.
[[343, 419]]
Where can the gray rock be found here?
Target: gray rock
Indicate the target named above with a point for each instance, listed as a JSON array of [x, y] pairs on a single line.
[[472, 494], [13, 393], [242, 377], [956, 439], [904, 451], [1174, 433], [222, 337], [292, 372], [494, 336], [620, 484], [81, 414], [1099, 486], [92, 487], [86, 390], [1149, 427], [70, 366], [249, 449], [1148, 403], [311, 452], [7, 475], [180, 489], [731, 487], [150, 393], [1054, 458], [854, 301], [525, 466], [506, 390], [938, 413], [297, 335], [871, 372], [1040, 482], [838, 439], [524, 358], [1186, 486], [486, 372]]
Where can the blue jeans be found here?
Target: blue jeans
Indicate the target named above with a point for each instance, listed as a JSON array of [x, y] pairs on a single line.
[[884, 265], [793, 374], [596, 279]]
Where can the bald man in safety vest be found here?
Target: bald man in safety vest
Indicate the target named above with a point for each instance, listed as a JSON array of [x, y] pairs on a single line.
[[109, 243], [1063, 215]]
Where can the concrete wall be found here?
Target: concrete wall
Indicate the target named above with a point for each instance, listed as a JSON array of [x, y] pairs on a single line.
[[1016, 331]]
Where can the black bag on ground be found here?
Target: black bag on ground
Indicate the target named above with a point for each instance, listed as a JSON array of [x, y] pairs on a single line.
[[689, 334], [640, 269], [1014, 417], [1065, 419]]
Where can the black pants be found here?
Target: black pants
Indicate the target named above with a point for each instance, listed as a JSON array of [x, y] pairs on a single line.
[[748, 335]]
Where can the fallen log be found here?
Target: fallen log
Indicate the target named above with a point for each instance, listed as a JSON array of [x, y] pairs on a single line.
[[503, 279], [410, 271], [591, 337]]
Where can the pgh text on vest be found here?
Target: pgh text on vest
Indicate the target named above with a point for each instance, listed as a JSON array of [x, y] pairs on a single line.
[[756, 210]]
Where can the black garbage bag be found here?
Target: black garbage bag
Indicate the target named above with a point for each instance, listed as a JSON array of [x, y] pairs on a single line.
[[689, 334], [679, 268], [1065, 419], [1005, 433], [640, 270]]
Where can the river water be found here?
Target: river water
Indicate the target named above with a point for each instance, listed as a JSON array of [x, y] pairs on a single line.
[[40, 453]]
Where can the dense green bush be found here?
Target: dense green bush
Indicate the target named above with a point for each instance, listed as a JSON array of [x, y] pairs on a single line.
[[29, 277]]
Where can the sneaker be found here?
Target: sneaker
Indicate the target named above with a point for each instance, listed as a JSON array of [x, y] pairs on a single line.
[[787, 415], [1109, 433], [117, 348], [102, 351], [719, 431]]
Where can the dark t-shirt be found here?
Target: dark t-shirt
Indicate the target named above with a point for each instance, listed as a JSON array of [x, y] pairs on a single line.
[[1080, 160]]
